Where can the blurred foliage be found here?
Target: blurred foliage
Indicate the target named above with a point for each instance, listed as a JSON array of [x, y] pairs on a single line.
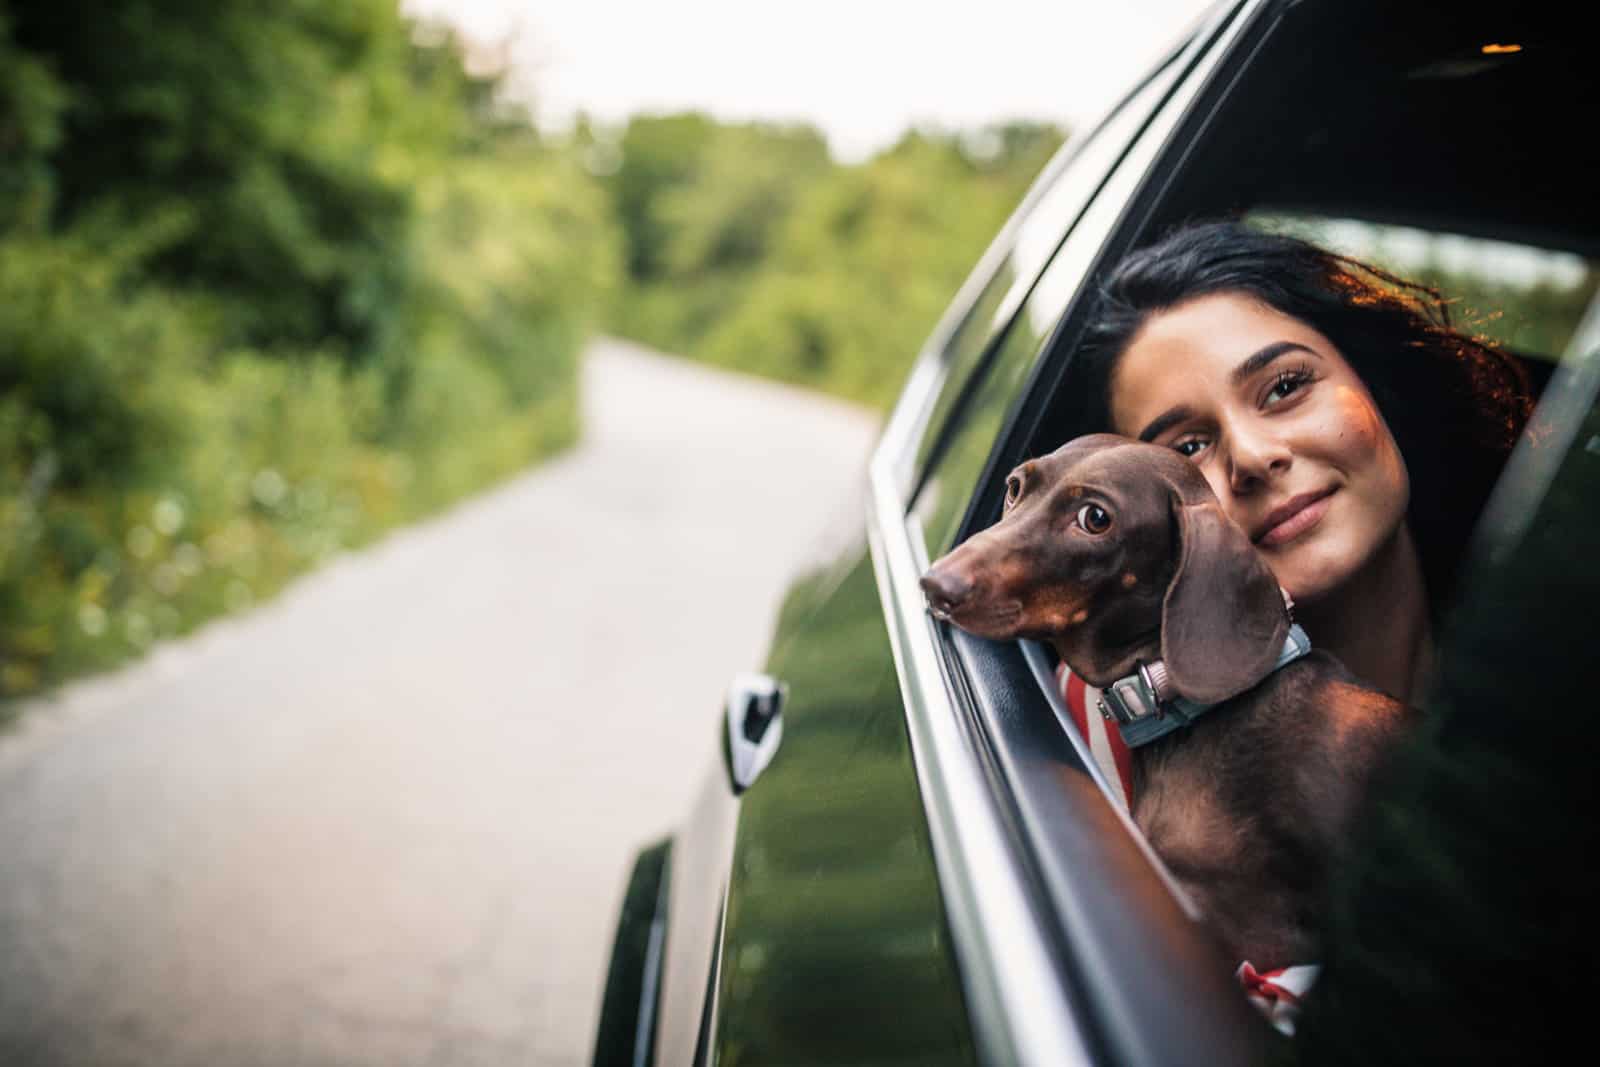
[[1534, 319], [749, 248], [1507, 294], [272, 280]]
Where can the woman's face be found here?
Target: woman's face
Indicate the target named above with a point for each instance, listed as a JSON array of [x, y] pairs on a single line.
[[1283, 429]]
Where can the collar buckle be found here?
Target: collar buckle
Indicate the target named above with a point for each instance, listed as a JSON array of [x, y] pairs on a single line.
[[1144, 707], [1136, 697]]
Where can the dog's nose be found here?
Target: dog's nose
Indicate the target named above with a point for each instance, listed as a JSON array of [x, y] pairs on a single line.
[[945, 589]]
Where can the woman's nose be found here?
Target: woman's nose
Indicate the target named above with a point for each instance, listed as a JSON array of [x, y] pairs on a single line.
[[1255, 457]]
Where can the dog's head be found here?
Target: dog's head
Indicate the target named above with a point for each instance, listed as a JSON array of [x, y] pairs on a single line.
[[1116, 552]]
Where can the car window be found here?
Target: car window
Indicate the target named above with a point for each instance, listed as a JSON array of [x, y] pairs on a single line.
[[1556, 464], [1526, 298], [1046, 215]]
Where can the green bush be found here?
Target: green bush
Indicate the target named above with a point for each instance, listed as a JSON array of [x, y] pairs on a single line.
[[272, 281]]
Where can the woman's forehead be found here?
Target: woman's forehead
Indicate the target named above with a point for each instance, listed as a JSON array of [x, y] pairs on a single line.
[[1189, 353]]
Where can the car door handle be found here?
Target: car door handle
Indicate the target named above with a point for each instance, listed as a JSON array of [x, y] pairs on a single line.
[[755, 726]]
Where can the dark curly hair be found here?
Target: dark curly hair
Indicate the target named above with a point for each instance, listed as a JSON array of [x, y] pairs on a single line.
[[1454, 404]]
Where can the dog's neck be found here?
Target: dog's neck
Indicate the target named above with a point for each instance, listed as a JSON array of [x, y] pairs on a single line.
[[1113, 638], [1111, 662], [1145, 708]]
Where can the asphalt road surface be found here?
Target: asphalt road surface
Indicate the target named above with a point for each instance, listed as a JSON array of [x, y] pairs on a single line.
[[386, 819]]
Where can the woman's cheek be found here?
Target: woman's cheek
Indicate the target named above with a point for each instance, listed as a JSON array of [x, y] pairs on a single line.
[[1371, 446], [1379, 489], [1359, 429]]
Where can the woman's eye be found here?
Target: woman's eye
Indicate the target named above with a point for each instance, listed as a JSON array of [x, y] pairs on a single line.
[[1094, 518], [1013, 490], [1287, 384], [1189, 448]]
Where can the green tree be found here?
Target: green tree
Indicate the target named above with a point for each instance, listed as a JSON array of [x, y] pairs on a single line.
[[658, 153], [272, 280], [866, 262]]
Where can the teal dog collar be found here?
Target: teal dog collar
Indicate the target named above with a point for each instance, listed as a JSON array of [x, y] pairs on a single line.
[[1144, 708]]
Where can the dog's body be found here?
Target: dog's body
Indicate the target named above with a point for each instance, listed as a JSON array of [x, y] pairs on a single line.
[[1250, 806]]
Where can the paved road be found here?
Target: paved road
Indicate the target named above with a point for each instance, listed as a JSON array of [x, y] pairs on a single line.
[[386, 819]]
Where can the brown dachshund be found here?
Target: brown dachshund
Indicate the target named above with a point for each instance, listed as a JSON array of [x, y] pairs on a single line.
[[1118, 554]]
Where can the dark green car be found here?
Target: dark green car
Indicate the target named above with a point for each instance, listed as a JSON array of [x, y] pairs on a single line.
[[909, 855]]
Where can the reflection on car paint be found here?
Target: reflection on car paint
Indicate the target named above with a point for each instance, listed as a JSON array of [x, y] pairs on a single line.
[[836, 941]]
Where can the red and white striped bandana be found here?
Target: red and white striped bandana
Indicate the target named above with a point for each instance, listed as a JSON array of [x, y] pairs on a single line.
[[1278, 993], [1105, 740]]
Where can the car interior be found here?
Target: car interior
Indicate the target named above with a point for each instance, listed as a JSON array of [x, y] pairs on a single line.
[[1448, 152]]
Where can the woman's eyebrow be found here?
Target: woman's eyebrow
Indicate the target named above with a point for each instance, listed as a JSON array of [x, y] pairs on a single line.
[[1168, 418], [1265, 356]]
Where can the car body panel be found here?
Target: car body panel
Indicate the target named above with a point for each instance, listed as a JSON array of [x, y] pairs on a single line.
[[836, 947], [633, 979], [701, 854]]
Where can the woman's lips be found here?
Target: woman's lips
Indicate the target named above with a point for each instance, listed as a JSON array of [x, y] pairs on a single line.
[[1289, 520]]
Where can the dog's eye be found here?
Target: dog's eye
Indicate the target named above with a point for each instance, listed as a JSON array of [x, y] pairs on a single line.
[[1094, 518], [1013, 490]]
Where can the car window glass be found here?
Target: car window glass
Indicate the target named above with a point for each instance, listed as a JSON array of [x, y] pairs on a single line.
[[1563, 436], [1510, 734], [1528, 299], [1051, 214], [940, 504]]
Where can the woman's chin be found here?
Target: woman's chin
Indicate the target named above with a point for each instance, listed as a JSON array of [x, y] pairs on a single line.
[[1328, 569], [1309, 582]]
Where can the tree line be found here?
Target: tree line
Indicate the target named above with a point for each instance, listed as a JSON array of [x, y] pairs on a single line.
[[748, 246]]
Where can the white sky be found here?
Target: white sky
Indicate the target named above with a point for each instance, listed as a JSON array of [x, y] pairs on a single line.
[[862, 70]]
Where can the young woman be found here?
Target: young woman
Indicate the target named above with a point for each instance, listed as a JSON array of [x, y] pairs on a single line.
[[1341, 421]]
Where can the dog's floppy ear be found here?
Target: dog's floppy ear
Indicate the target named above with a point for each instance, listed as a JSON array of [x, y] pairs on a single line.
[[1223, 622]]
